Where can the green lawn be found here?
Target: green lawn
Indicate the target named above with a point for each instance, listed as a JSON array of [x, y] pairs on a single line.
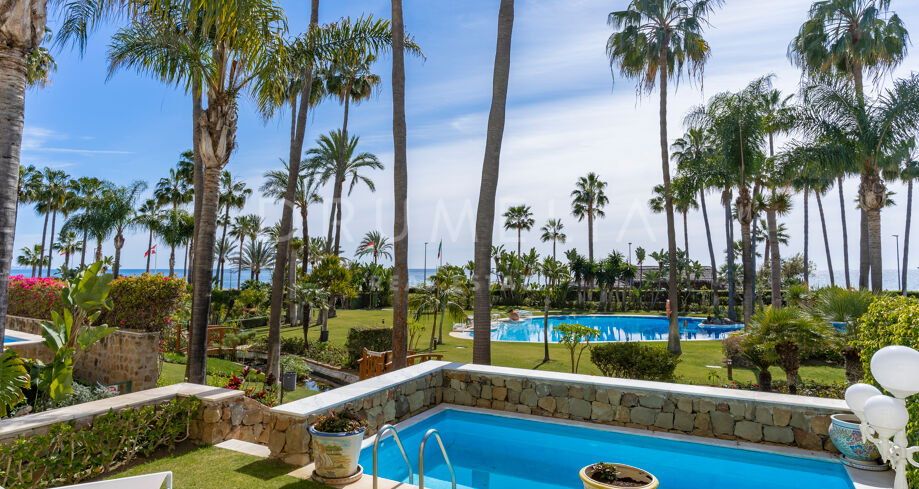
[[210, 467], [693, 367], [173, 373]]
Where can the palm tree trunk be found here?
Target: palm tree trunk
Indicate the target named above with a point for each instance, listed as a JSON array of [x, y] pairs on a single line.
[[83, 250], [239, 265], [119, 242], [807, 269], [440, 330], [485, 214], [172, 260], [149, 253], [432, 345], [336, 194], [12, 107], [872, 197], [306, 239], [198, 174], [51, 242], [590, 234], [864, 270], [729, 236], [291, 281], [518, 242], [711, 249], [338, 224], [845, 232], [909, 213], [745, 213], [185, 261], [99, 249], [196, 369], [44, 237], [545, 324], [826, 239], [400, 193], [775, 267], [673, 338], [223, 239], [298, 127]]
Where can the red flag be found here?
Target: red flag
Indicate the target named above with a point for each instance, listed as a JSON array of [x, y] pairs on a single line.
[[151, 251], [368, 245]]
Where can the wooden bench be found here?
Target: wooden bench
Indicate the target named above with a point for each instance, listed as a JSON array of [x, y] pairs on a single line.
[[215, 336], [374, 363]]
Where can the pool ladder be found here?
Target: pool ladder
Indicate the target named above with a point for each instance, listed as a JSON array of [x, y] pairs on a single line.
[[395, 435]]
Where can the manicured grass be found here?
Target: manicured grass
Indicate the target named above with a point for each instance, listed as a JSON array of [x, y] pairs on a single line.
[[173, 373], [692, 369], [211, 467]]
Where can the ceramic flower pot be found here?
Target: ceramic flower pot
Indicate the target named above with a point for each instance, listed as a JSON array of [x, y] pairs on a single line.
[[625, 472], [845, 432], [336, 454]]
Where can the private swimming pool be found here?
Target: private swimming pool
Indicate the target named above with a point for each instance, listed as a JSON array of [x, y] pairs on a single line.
[[492, 450], [612, 328]]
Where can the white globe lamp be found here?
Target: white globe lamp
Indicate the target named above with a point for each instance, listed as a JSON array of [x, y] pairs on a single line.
[[896, 368], [856, 397], [886, 415]]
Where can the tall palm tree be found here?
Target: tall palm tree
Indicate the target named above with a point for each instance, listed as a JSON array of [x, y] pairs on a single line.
[[117, 212], [67, 244], [256, 256], [174, 228], [852, 38], [173, 190], [692, 153], [907, 171], [552, 231], [587, 201], [375, 244], [248, 226], [777, 203], [656, 39], [336, 163], [233, 195], [485, 213], [519, 217], [147, 215], [445, 296], [306, 193], [874, 134], [400, 192], [683, 198], [53, 194], [88, 191], [28, 185]]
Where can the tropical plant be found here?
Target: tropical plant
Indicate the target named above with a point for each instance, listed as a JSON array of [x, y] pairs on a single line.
[[117, 214], [403, 331], [790, 332], [587, 201], [554, 272], [31, 257], [233, 195], [335, 278], [655, 41], [375, 244], [247, 226], [173, 190], [88, 194], [52, 197], [519, 217], [310, 296], [67, 244], [552, 231], [13, 379], [838, 305], [576, 338], [147, 216], [174, 228], [255, 257]]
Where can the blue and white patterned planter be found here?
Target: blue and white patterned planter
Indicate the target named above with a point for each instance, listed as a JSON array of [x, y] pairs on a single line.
[[336, 454], [845, 431]]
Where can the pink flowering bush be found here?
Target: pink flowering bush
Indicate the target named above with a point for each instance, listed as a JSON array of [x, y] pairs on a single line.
[[34, 297], [145, 302]]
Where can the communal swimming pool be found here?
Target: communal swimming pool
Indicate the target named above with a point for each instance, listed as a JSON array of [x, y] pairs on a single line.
[[612, 328], [491, 450]]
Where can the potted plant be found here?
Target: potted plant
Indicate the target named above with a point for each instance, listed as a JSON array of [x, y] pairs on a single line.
[[615, 476], [845, 432], [336, 444]]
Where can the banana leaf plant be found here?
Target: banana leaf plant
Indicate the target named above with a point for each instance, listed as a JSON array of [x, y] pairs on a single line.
[[13, 379], [72, 331]]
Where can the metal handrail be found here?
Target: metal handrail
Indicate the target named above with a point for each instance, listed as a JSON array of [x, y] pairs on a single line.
[[376, 443], [440, 442]]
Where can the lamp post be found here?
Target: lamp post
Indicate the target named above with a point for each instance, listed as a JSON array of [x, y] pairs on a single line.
[[884, 418], [631, 279], [899, 283], [424, 278]]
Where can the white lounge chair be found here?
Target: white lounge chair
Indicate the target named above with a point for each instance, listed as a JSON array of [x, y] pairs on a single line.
[[148, 481]]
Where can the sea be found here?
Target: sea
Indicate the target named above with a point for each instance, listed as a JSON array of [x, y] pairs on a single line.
[[820, 278]]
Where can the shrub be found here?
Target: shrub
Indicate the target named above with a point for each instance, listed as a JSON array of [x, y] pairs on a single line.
[[290, 363], [327, 353], [145, 302], [634, 360], [253, 298], [832, 390], [369, 337], [344, 422], [293, 345], [892, 321], [67, 455], [34, 297]]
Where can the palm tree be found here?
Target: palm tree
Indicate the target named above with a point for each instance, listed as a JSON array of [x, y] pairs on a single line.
[[67, 244], [587, 201], [88, 191], [233, 195], [306, 193], [174, 228], [844, 129], [790, 333], [256, 256], [31, 257], [520, 218], [851, 38], [552, 231], [337, 163], [553, 271], [29, 184], [776, 204], [655, 40], [310, 296], [224, 248], [117, 212], [692, 153], [248, 226], [53, 195], [400, 192], [683, 198], [838, 305], [485, 214], [147, 215], [445, 296], [906, 172], [173, 190], [376, 245]]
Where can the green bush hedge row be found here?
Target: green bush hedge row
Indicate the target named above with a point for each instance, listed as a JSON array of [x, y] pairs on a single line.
[[369, 337], [67, 455], [634, 360]]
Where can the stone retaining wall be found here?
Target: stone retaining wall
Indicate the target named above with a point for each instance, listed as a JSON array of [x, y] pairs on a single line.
[[123, 356]]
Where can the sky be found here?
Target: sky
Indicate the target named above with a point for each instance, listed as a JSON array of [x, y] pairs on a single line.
[[567, 115]]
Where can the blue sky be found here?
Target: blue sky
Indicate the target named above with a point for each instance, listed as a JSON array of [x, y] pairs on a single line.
[[566, 116]]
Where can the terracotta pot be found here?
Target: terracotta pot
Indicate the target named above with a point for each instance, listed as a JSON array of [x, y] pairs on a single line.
[[336, 454], [624, 471], [845, 432]]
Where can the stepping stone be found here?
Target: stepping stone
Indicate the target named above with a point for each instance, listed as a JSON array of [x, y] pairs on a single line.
[[245, 447]]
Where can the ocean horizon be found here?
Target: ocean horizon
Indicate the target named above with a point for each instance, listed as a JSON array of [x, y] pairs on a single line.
[[820, 278]]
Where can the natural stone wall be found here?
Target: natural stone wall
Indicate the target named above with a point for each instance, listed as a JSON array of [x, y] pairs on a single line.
[[123, 356], [656, 410], [229, 416]]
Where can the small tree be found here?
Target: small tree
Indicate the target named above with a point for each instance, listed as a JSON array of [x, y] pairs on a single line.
[[574, 336], [789, 332], [310, 296], [838, 305], [335, 278]]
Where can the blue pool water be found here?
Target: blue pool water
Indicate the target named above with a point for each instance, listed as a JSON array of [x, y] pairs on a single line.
[[497, 452], [11, 339], [612, 328]]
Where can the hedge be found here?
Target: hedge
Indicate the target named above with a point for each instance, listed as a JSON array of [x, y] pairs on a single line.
[[67, 454], [369, 337], [634, 360], [34, 297], [144, 302], [892, 321]]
